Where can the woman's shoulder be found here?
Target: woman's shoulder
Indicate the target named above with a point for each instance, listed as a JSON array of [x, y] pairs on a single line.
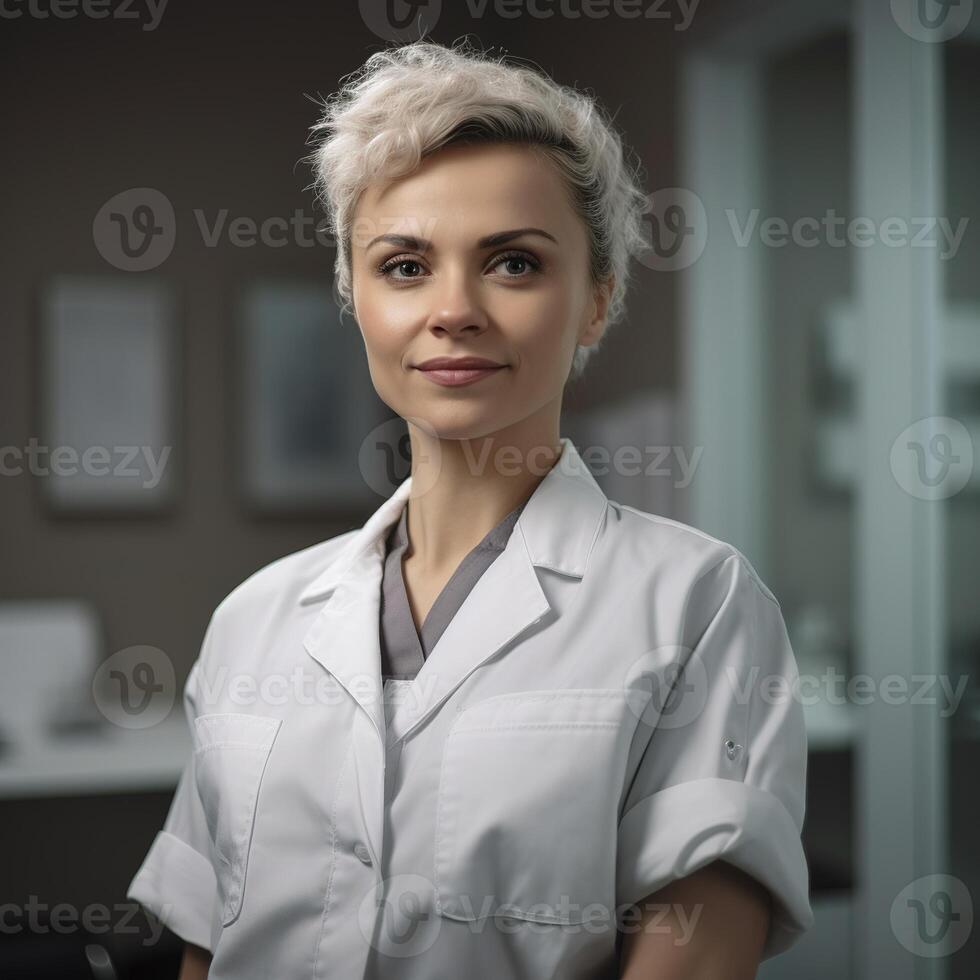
[[666, 546], [284, 578]]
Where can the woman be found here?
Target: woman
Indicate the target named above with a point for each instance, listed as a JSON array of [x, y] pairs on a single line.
[[508, 728]]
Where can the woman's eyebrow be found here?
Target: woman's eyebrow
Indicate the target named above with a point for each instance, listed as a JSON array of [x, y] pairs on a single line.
[[488, 241]]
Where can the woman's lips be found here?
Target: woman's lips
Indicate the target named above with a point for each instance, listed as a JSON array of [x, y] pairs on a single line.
[[454, 377]]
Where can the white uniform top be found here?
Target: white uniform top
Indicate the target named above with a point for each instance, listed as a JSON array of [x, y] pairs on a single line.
[[602, 716]]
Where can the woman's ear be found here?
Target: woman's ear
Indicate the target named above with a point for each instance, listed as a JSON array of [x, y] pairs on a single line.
[[595, 327], [353, 305]]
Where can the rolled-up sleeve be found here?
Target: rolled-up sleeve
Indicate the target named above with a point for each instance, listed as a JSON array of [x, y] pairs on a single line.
[[723, 772], [176, 881]]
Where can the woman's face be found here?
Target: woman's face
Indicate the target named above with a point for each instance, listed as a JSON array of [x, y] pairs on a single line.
[[428, 282]]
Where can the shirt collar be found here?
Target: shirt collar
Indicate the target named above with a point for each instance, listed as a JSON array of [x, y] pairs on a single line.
[[558, 525]]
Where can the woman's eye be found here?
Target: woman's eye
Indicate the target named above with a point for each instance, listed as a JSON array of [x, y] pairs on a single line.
[[389, 267], [525, 264], [517, 265]]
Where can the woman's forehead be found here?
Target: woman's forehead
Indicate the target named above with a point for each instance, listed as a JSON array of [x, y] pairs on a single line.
[[469, 195]]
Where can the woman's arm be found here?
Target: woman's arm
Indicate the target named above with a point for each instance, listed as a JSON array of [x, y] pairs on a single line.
[[711, 925], [196, 963]]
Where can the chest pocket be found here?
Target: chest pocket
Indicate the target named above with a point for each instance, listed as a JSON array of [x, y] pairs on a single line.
[[230, 756], [527, 806]]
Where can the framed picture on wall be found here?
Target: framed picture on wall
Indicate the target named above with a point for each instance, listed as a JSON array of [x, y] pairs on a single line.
[[307, 404], [108, 396]]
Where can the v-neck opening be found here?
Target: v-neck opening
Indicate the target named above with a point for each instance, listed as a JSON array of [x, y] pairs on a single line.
[[413, 642]]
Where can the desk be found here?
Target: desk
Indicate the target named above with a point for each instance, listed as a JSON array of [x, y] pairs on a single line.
[[107, 760]]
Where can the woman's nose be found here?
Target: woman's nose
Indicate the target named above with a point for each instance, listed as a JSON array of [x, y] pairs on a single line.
[[456, 305]]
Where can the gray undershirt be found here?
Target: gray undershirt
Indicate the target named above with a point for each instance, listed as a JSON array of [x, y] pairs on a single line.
[[403, 647]]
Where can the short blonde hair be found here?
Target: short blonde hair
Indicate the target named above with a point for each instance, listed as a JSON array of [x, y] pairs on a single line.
[[410, 100]]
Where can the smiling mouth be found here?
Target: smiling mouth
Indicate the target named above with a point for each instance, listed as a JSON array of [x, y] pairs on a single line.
[[454, 377]]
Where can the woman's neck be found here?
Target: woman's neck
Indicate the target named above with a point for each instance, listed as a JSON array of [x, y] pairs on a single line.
[[461, 489]]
